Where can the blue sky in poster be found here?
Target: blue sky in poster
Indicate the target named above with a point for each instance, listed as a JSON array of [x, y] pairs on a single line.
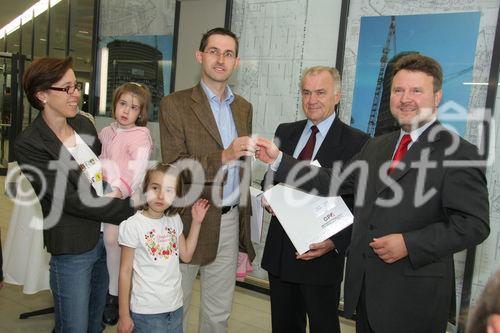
[[448, 38], [163, 43]]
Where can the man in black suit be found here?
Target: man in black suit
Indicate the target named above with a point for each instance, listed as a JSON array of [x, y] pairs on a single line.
[[310, 283], [421, 196]]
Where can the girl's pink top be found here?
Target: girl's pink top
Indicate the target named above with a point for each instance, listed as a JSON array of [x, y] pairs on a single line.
[[125, 154]]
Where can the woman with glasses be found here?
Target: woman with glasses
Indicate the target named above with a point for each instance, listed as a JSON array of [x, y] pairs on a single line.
[[58, 154]]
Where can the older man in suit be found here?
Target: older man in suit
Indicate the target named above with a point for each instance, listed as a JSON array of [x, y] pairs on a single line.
[[421, 197], [310, 283], [211, 126]]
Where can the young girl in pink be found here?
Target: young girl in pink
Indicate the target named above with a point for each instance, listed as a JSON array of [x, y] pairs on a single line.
[[126, 148]]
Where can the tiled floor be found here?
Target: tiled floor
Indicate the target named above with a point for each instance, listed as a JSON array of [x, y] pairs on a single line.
[[251, 310]]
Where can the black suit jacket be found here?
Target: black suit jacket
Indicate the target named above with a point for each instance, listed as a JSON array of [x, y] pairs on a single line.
[[71, 221], [439, 213], [340, 145]]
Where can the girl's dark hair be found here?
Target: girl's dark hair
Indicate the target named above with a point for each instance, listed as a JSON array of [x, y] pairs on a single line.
[[41, 75], [165, 169]]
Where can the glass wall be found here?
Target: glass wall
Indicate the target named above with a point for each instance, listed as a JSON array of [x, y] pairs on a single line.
[[41, 23], [14, 41], [81, 31], [27, 37], [57, 28]]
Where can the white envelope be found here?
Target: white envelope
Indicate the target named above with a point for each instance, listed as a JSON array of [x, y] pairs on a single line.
[[307, 218]]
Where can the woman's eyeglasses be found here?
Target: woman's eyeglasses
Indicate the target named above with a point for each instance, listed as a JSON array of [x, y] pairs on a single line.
[[69, 89]]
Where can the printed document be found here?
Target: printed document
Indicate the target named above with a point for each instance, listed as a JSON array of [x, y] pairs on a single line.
[[307, 218]]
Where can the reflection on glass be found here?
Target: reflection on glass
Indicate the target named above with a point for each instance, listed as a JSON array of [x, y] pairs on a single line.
[[80, 45], [2, 44], [41, 25], [137, 50], [14, 41], [58, 29], [27, 34]]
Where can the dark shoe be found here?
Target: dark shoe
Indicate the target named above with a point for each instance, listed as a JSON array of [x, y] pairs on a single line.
[[110, 315]]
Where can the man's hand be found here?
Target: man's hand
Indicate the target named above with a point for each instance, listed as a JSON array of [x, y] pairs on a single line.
[[390, 248], [266, 205], [242, 146], [267, 151], [317, 250]]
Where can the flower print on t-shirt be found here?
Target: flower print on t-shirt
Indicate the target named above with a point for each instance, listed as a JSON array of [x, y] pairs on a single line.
[[162, 245]]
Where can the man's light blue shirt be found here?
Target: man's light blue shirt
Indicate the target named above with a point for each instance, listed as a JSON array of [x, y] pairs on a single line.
[[227, 130]]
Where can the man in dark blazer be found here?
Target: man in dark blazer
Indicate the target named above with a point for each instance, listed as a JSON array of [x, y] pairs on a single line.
[[415, 207], [310, 284], [210, 126]]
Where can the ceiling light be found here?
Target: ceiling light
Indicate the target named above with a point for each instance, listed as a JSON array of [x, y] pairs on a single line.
[[35, 10]]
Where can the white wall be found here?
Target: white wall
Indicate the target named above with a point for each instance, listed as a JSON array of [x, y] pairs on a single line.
[[196, 18]]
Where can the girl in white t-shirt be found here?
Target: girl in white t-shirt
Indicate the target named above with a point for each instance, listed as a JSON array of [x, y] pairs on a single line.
[[150, 293]]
